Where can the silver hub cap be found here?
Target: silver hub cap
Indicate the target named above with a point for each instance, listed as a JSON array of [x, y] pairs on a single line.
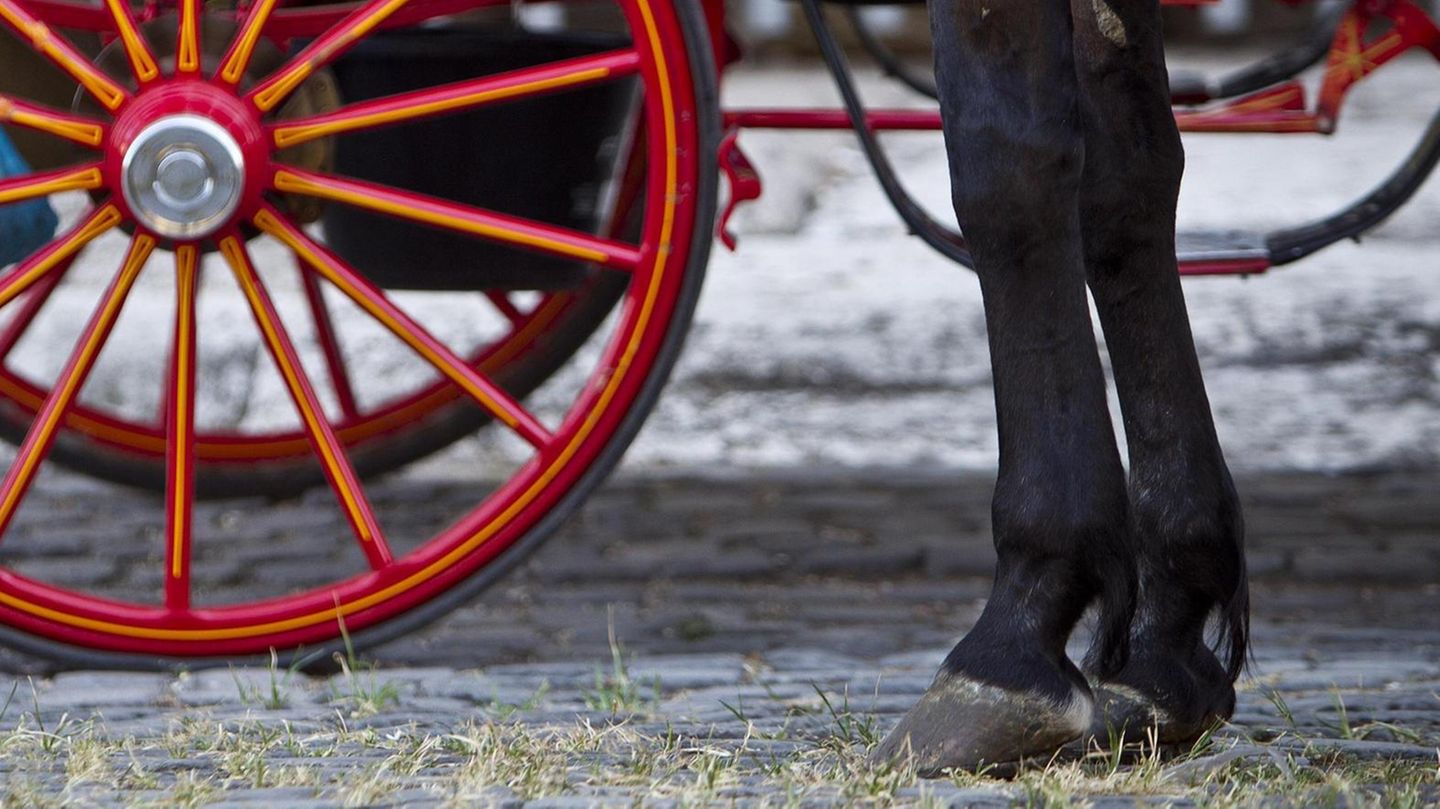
[[184, 175]]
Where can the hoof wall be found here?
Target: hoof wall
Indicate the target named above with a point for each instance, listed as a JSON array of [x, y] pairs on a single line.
[[965, 725]]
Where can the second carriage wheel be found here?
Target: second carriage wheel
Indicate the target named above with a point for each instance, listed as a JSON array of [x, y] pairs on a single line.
[[193, 165]]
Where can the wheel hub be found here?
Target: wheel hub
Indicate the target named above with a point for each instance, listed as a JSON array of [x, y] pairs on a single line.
[[183, 176]]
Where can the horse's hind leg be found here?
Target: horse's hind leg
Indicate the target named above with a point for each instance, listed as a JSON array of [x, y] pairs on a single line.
[[1009, 98], [1186, 520]]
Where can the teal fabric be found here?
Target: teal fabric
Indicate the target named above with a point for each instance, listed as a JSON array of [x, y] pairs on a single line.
[[27, 226]]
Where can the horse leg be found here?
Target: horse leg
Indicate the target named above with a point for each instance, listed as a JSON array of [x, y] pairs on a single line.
[[1009, 99], [1185, 517]]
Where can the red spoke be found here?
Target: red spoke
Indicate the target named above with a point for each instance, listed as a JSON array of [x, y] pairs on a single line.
[[59, 50], [374, 301], [142, 61], [319, 53], [180, 432], [35, 300], [512, 230], [67, 386], [78, 129], [329, 344], [57, 254], [336, 464], [40, 184], [503, 305], [459, 95], [187, 42], [237, 59]]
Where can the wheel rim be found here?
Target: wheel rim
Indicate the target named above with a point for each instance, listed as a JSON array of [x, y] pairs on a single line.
[[155, 102]]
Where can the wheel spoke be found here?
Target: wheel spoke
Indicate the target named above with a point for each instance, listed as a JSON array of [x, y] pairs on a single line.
[[336, 464], [511, 230], [180, 432], [72, 377], [370, 298], [74, 128], [40, 184], [459, 95], [237, 59], [319, 53], [502, 304], [329, 344], [187, 44], [59, 50], [142, 61], [34, 300], [58, 254]]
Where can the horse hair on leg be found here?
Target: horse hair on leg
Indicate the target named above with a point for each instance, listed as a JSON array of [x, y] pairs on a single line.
[[1185, 515], [1010, 104]]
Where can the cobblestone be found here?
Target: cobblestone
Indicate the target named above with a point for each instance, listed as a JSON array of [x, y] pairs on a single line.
[[763, 647]]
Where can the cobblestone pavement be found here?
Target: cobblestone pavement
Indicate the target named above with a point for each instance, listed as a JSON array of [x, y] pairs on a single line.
[[767, 626]]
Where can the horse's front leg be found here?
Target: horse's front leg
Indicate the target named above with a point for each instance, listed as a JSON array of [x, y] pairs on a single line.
[[1187, 522], [1012, 129]]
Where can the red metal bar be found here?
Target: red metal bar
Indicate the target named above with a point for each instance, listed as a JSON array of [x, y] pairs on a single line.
[[331, 452], [187, 39], [34, 301], [180, 432], [142, 61], [57, 254], [74, 128], [515, 84], [511, 230], [58, 50], [356, 26], [1238, 266], [329, 343], [374, 301], [67, 386], [237, 58], [879, 120], [502, 304], [41, 184]]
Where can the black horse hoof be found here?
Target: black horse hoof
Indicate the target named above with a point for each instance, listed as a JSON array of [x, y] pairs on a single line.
[[960, 724]]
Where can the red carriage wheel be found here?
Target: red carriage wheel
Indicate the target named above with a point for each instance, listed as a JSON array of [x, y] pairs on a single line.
[[195, 155]]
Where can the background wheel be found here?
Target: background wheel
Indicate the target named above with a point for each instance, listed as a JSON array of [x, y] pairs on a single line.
[[244, 233]]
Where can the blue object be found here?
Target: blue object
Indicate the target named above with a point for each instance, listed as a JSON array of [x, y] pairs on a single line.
[[26, 226]]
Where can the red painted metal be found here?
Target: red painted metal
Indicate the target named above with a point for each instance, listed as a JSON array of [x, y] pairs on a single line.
[[67, 386], [448, 98], [375, 302], [338, 470], [670, 135], [1236, 266], [514, 231], [329, 344], [180, 432], [34, 301]]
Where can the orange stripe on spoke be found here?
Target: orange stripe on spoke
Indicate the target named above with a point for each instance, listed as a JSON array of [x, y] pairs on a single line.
[[187, 45], [467, 219], [29, 186], [459, 95], [337, 466], [57, 254], [59, 51], [142, 62], [237, 60], [180, 431], [67, 385], [322, 51], [83, 131], [374, 301]]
